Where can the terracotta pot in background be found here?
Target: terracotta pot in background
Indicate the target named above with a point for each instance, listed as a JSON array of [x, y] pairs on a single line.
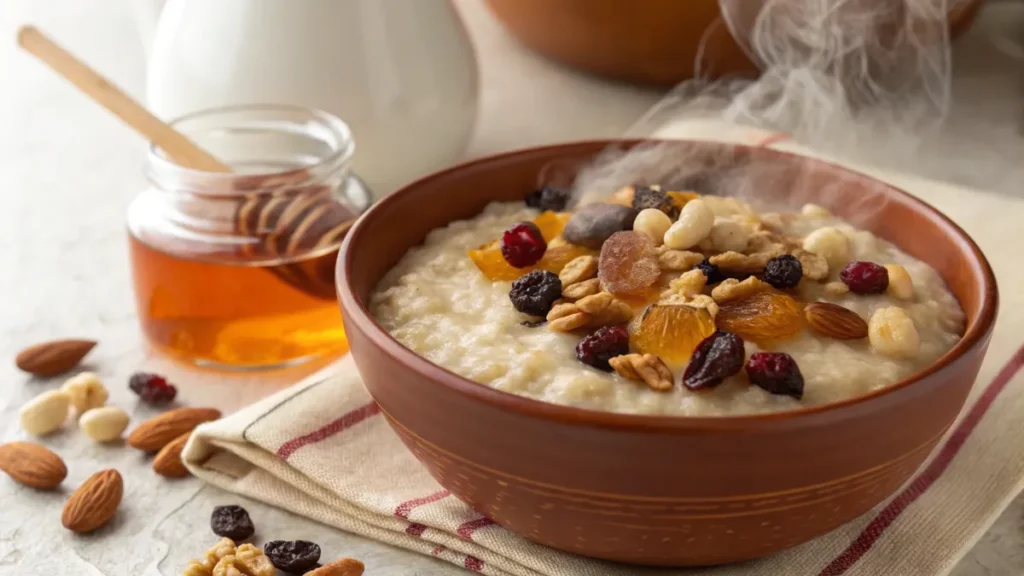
[[648, 41]]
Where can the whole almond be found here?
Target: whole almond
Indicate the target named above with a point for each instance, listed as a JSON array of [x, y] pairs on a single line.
[[834, 321], [343, 567], [52, 358], [167, 462], [32, 465], [94, 503], [155, 433]]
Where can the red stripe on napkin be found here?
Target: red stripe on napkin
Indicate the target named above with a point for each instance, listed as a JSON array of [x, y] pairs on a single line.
[[466, 529], [335, 426], [403, 509], [415, 530], [474, 564], [923, 481]]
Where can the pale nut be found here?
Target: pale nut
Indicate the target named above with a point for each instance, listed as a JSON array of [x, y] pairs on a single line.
[[837, 289], [582, 289], [578, 269], [104, 424], [900, 284], [694, 224], [678, 260], [892, 332], [652, 223], [831, 244], [646, 368], [85, 392], [732, 289], [727, 235], [44, 413]]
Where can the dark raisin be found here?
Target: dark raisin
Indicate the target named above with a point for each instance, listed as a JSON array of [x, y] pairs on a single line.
[[523, 245], [711, 272], [152, 388], [776, 372], [865, 277], [534, 293], [548, 198], [231, 522], [604, 344], [533, 323], [716, 358], [649, 197], [783, 271], [296, 556]]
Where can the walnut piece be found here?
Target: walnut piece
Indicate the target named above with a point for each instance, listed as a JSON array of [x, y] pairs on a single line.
[[605, 309], [731, 289], [566, 318], [646, 368], [578, 269], [736, 263], [815, 267], [582, 289], [690, 283], [247, 560], [677, 260], [224, 547], [704, 301]]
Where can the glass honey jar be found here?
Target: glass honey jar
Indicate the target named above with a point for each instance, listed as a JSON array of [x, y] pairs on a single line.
[[236, 270]]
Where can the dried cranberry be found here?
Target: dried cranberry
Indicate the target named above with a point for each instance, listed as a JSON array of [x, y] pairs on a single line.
[[716, 358], [711, 272], [548, 198], [231, 522], [783, 271], [776, 372], [650, 197], [523, 245], [534, 293], [152, 388], [603, 345], [296, 556], [865, 277]]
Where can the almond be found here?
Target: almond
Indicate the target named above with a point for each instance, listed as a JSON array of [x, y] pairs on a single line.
[[32, 465], [155, 433], [168, 460], [52, 358], [343, 567], [94, 503], [834, 321]]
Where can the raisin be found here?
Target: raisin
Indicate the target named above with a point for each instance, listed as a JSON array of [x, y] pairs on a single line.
[[548, 198], [777, 373], [231, 522], [296, 556], [865, 277], [712, 272], [648, 197], [716, 358], [603, 345], [783, 271], [535, 292], [152, 388], [523, 245]]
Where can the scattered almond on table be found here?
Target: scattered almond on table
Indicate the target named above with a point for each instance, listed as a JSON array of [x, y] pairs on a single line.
[[94, 503], [32, 465], [155, 433], [54, 357]]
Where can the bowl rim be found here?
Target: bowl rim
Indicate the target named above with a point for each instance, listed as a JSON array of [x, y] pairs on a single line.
[[358, 314]]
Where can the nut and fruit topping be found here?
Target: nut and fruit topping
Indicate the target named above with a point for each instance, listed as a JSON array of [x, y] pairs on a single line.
[[296, 556], [652, 197], [605, 309], [231, 521], [523, 245], [652, 223], [733, 289], [605, 343], [695, 222], [578, 270], [628, 263], [711, 272], [783, 271], [535, 292], [152, 388], [581, 289], [490, 261], [834, 321], [32, 465], [689, 283], [829, 243], [679, 260], [814, 267], [892, 332], [646, 368], [670, 331], [900, 284], [548, 198], [763, 318], [566, 317], [592, 224], [776, 372], [865, 277], [716, 358]]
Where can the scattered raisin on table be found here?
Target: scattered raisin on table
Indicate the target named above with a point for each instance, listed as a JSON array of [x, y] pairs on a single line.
[[645, 197], [712, 272], [776, 372], [716, 358], [601, 346], [865, 277], [231, 521], [523, 245], [534, 293], [548, 198], [152, 388], [783, 271], [296, 556]]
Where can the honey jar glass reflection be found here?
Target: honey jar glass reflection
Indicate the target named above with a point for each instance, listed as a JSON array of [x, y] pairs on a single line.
[[236, 270]]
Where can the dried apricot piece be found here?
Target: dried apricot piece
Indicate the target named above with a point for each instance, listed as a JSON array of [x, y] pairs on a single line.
[[628, 263], [551, 223], [670, 331], [489, 260], [679, 199], [762, 317]]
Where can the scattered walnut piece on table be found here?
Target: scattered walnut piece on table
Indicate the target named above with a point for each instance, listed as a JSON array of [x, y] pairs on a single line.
[[732, 289], [646, 368]]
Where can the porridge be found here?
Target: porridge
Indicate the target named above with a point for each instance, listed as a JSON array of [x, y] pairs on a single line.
[[669, 303]]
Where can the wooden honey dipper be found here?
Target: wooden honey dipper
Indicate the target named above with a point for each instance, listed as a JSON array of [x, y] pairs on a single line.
[[293, 220]]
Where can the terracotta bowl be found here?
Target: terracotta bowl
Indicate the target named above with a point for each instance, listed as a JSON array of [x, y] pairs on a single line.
[[660, 490]]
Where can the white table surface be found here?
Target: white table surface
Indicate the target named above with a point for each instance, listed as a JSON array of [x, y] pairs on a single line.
[[68, 171]]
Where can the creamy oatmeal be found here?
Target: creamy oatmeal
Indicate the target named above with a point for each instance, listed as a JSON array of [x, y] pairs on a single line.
[[439, 303]]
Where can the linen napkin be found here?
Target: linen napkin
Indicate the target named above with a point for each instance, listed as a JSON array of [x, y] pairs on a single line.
[[322, 449]]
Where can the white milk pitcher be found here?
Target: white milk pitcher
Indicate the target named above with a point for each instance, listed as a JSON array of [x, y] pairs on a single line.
[[401, 73]]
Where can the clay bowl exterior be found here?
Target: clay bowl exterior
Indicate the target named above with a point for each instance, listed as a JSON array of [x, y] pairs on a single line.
[[651, 42], [649, 489]]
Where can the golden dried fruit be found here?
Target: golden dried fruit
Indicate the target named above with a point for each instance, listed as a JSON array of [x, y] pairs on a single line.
[[32, 465], [52, 358], [834, 321], [670, 331], [492, 264], [155, 433], [94, 503], [763, 317]]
